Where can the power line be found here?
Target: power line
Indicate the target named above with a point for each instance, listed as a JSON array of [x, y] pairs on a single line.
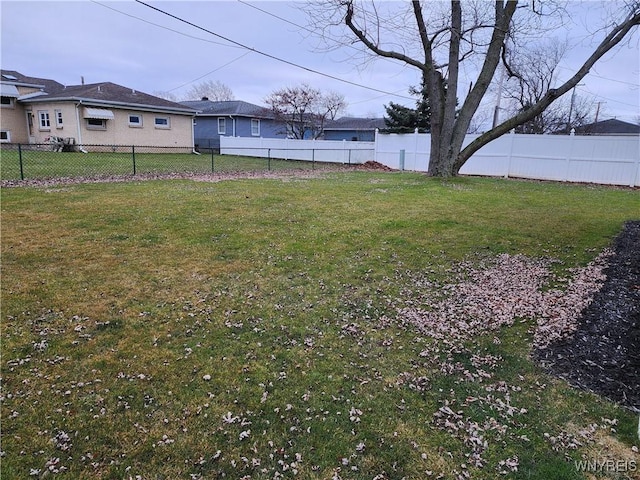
[[212, 71], [608, 99], [268, 55], [636, 85], [274, 15], [161, 26]]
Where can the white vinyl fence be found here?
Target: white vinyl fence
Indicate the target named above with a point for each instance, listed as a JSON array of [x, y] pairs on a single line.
[[330, 151], [610, 160]]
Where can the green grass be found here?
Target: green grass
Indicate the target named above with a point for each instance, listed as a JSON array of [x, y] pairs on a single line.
[[118, 299], [46, 164]]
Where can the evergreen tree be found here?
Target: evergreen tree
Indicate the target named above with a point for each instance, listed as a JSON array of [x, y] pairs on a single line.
[[401, 119]]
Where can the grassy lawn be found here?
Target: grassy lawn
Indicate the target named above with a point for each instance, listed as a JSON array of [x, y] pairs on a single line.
[[48, 164], [247, 329]]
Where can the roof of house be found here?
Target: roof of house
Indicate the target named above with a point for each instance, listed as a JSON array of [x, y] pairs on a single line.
[[96, 94], [16, 78], [610, 126], [230, 107], [355, 123]]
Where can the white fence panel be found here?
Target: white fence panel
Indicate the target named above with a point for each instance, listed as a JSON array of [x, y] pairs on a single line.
[[340, 151], [416, 146], [611, 160]]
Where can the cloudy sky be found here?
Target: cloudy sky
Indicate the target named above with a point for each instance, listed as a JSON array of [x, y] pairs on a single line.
[[133, 45]]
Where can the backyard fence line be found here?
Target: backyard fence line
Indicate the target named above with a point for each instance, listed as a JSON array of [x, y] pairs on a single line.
[[325, 151], [607, 160], [46, 160], [612, 160], [55, 159]]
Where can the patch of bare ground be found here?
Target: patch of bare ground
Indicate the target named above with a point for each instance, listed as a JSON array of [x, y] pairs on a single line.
[[202, 177], [602, 355]]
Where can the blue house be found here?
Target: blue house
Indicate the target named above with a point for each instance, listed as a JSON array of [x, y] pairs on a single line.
[[233, 118], [353, 129]]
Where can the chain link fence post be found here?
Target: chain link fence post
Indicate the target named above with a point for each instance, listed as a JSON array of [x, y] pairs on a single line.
[[133, 156], [20, 160]]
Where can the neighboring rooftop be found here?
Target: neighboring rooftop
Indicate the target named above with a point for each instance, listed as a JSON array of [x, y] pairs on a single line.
[[104, 93], [355, 123], [16, 78], [611, 126], [229, 107]]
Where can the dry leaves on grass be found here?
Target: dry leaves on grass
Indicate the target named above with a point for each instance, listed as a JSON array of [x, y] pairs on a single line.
[[506, 289], [498, 295]]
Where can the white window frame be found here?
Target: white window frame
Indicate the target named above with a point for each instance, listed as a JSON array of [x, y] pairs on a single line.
[[255, 127], [11, 104], [222, 126], [44, 121], [7, 134], [58, 116], [137, 124], [95, 126], [165, 122]]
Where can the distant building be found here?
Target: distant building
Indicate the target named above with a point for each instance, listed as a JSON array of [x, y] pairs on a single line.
[[353, 129], [37, 110], [612, 126], [233, 118]]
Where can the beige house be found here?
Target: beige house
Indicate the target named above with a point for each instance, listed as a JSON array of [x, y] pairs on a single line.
[[36, 111]]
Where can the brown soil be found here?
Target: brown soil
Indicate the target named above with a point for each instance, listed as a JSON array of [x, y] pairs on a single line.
[[603, 355]]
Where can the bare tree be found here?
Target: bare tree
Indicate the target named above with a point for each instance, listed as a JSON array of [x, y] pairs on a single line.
[[449, 35], [215, 91], [532, 74], [304, 110], [166, 95]]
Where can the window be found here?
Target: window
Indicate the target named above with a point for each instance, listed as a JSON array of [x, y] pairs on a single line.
[[58, 115], [162, 122], [222, 126], [45, 121], [135, 120], [96, 124], [7, 102], [255, 127], [5, 136]]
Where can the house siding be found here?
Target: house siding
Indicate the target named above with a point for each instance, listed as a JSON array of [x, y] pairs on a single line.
[[207, 136], [117, 132], [179, 133], [13, 120], [355, 135], [57, 110]]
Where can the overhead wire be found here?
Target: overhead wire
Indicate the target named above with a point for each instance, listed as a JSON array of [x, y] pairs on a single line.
[[268, 55], [209, 73], [162, 26]]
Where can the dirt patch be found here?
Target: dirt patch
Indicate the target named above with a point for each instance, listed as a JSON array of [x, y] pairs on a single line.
[[203, 177], [371, 165], [603, 355]]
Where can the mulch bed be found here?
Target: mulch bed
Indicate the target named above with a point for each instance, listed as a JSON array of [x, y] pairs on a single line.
[[603, 355]]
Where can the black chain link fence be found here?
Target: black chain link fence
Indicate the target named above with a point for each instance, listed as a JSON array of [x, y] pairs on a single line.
[[57, 160]]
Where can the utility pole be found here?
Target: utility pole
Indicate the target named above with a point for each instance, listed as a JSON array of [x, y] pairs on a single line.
[[496, 112], [598, 111], [573, 98]]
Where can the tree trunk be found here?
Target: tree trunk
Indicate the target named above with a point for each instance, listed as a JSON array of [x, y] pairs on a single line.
[[448, 126]]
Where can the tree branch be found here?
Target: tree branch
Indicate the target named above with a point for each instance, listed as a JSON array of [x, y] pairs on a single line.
[[372, 46], [611, 40]]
